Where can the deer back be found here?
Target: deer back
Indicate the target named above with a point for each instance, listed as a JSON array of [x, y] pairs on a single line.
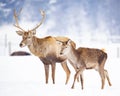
[[91, 56]]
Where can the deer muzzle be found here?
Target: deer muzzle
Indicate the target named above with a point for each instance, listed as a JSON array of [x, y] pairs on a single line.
[[22, 44]]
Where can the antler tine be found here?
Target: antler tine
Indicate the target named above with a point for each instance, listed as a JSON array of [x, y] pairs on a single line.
[[43, 17], [16, 19]]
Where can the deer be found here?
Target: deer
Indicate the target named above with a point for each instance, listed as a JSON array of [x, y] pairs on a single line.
[[86, 58], [47, 49]]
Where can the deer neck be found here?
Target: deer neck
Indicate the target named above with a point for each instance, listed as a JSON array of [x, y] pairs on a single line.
[[73, 57], [33, 47]]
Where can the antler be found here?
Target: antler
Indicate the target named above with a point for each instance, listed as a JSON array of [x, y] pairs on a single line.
[[16, 19], [43, 17], [17, 24]]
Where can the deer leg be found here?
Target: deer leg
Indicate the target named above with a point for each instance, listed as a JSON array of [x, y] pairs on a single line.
[[77, 74], [53, 72], [66, 69], [107, 76], [81, 78], [76, 69], [78, 77], [101, 70], [102, 75], [46, 67]]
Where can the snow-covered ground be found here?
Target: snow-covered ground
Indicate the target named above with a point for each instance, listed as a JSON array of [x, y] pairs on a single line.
[[24, 76]]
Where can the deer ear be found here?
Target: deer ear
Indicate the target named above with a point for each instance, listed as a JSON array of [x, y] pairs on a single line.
[[34, 32], [19, 33], [69, 42]]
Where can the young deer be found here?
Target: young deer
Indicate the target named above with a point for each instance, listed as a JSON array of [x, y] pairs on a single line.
[[86, 58], [46, 49]]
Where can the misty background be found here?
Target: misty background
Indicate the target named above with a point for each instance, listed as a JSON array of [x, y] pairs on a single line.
[[84, 21]]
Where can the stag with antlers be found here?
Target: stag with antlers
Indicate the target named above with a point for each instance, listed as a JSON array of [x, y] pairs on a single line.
[[46, 49]]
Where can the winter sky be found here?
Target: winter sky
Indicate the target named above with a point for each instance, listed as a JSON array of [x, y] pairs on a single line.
[[84, 21]]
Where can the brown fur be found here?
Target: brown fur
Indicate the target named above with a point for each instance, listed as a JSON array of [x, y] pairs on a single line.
[[48, 50], [86, 58]]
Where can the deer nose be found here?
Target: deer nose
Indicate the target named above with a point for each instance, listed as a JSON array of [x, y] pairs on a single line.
[[22, 45]]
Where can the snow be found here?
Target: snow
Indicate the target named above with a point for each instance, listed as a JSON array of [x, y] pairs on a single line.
[[24, 76]]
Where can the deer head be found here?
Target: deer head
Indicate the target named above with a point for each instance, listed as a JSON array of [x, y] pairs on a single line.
[[27, 35], [66, 46]]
